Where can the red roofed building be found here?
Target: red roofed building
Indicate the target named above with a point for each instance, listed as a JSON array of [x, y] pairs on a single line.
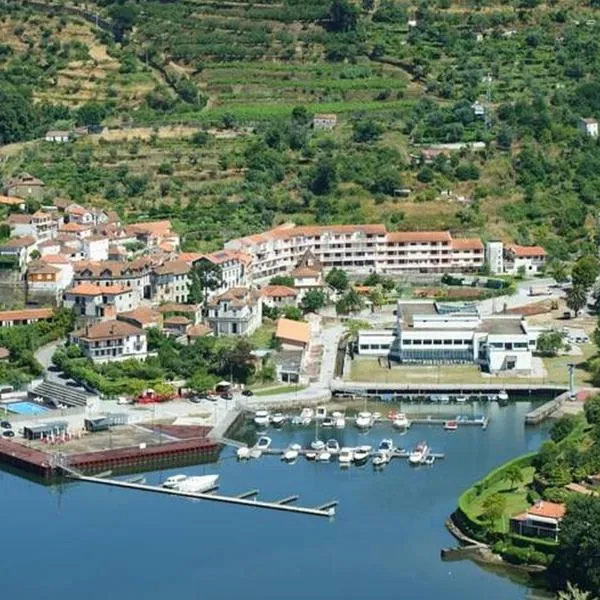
[[111, 341], [236, 312], [541, 520], [95, 302], [278, 295], [531, 259]]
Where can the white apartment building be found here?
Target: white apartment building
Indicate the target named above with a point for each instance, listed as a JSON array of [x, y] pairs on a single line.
[[95, 248], [358, 249], [99, 302], [530, 258], [40, 225], [433, 333], [111, 341], [236, 312], [494, 257], [588, 127], [171, 282], [234, 269]]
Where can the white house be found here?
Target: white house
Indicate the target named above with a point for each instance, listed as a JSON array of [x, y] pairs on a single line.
[[111, 341], [18, 250], [324, 121], [434, 333], [99, 302], [13, 318], [235, 268], [588, 127], [494, 257], [95, 248], [40, 225], [278, 296], [238, 311], [65, 268], [541, 520], [530, 258], [57, 137]]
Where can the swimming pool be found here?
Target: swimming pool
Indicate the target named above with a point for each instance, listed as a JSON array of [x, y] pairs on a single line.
[[26, 408]]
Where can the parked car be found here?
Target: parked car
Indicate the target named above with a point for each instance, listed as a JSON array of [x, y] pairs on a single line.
[[227, 396], [8, 433], [247, 393], [197, 398], [5, 425]]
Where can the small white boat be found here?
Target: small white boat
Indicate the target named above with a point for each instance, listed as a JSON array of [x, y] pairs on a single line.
[[328, 422], [297, 420], [307, 413], [361, 455], [364, 420], [502, 396], [401, 421], [262, 418], [461, 398], [263, 443], [419, 454], [277, 420], [243, 453], [337, 414], [444, 399], [386, 445], [377, 417], [291, 454], [172, 482], [310, 455], [320, 413], [339, 421], [323, 456], [346, 456], [197, 485], [332, 446], [381, 458], [317, 445], [451, 425]]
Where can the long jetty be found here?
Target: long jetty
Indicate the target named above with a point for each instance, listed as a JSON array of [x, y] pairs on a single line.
[[284, 505], [546, 410]]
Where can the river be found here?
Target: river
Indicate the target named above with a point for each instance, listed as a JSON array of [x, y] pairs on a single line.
[[81, 540]]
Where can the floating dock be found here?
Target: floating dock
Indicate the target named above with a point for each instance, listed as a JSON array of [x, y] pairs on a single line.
[[284, 504]]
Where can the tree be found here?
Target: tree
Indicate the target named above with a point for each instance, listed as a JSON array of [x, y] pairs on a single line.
[[293, 313], [324, 178], [200, 138], [558, 271], [91, 113], [585, 272], [576, 559], [313, 300], [236, 360], [201, 381], [205, 276], [343, 16], [350, 302], [286, 280], [574, 593], [550, 342], [377, 297], [513, 475], [367, 130], [338, 279], [493, 508], [563, 427], [592, 410], [35, 254], [576, 298]]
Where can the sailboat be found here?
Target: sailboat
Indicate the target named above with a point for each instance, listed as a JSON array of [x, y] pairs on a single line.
[[317, 444]]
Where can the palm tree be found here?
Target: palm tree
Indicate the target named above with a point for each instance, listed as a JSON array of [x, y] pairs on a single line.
[[574, 593], [576, 298]]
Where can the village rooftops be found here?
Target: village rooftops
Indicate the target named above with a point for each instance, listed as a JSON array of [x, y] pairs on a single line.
[[41, 268], [409, 237], [176, 320], [108, 330], [467, 244], [143, 316], [18, 219], [153, 228], [238, 297], [502, 325], [175, 308], [89, 289], [294, 331], [174, 267], [11, 201], [200, 330], [278, 291], [544, 510], [20, 242], [26, 314], [526, 251], [25, 179]]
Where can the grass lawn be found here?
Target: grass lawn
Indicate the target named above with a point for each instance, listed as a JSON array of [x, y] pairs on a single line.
[[261, 338], [281, 389], [516, 499]]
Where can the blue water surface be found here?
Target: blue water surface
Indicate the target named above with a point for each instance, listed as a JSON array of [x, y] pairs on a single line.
[[83, 539]]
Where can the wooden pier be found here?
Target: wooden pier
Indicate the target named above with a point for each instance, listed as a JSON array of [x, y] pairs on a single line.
[[284, 504]]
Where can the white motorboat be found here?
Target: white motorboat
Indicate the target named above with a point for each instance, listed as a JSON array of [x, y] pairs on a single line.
[[243, 453], [297, 420], [323, 456], [386, 445], [263, 443], [277, 420], [430, 460], [317, 445], [339, 421], [419, 454], [461, 398], [291, 454], [320, 413], [377, 417], [444, 399], [306, 416], [361, 455], [364, 420], [401, 421], [328, 422], [172, 482], [332, 446], [197, 485], [310, 455], [346, 456], [381, 458], [451, 425], [502, 396], [262, 418]]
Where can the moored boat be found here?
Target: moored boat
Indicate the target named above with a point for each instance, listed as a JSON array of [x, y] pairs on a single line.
[[262, 418], [197, 485], [332, 446], [451, 425], [364, 420], [328, 422], [317, 445], [401, 421], [502, 396], [243, 453], [346, 456], [277, 420], [361, 455], [419, 454], [172, 482], [381, 459], [324, 456], [461, 398], [320, 412], [291, 454]]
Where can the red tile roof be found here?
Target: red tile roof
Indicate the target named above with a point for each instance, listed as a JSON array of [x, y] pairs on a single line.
[[89, 289], [548, 510], [419, 236], [20, 242], [295, 331], [29, 313], [527, 251], [108, 330], [467, 244], [278, 291]]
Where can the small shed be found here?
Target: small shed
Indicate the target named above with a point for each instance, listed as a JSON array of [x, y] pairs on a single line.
[[36, 432], [105, 422]]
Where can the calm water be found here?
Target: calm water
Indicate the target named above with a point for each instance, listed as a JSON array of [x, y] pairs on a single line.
[[385, 541]]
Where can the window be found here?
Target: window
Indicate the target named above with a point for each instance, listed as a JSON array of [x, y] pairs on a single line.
[[447, 342]]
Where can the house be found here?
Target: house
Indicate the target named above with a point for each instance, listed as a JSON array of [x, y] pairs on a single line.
[[65, 267], [176, 325], [588, 127], [25, 186], [40, 225], [238, 311], [171, 282], [292, 335], [439, 333], [79, 231], [95, 248], [478, 110], [116, 253], [42, 282], [111, 341], [308, 273], [51, 246], [13, 203], [153, 233], [99, 302], [324, 121], [142, 317], [12, 318], [15, 252], [191, 311], [542, 520], [494, 257], [235, 268], [79, 214], [278, 296], [197, 331], [57, 136], [530, 259]]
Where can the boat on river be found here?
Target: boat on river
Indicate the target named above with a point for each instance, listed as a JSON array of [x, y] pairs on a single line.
[[364, 420], [401, 421], [346, 457], [451, 425], [193, 484], [262, 418], [419, 454]]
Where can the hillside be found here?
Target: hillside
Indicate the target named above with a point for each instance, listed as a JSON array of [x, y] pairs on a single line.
[[212, 105]]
